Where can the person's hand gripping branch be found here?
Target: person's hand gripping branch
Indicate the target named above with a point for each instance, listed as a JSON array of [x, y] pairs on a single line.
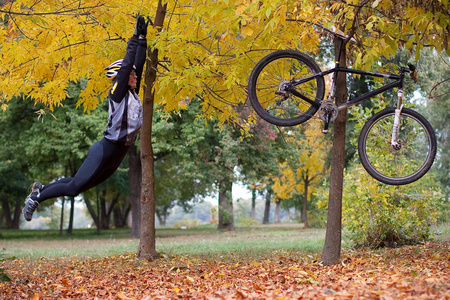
[[140, 29]]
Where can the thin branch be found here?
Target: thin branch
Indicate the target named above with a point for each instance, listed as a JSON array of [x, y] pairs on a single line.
[[64, 12], [171, 15], [355, 20], [434, 88]]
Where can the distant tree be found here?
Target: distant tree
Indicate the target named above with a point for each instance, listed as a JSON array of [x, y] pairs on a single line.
[[53, 145], [305, 165], [434, 80], [173, 186], [135, 177], [267, 201], [261, 150]]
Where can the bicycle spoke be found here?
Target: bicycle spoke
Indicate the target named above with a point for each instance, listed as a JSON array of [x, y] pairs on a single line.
[[401, 164], [269, 87], [392, 162]]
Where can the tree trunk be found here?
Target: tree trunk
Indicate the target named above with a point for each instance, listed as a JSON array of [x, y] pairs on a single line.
[[98, 211], [71, 215], [267, 207], [120, 214], [226, 218], [135, 177], [6, 212], [162, 219], [253, 203], [112, 206], [92, 212], [147, 243], [61, 220], [17, 213], [104, 218], [332, 249], [277, 212], [304, 216]]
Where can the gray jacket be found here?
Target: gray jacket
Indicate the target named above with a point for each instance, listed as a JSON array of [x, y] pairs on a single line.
[[125, 107]]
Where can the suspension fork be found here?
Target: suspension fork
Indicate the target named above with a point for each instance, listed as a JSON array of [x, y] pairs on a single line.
[[395, 128]]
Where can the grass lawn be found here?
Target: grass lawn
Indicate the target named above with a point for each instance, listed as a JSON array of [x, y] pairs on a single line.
[[205, 239], [202, 240]]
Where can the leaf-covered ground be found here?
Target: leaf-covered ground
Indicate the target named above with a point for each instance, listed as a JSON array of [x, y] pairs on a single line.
[[413, 272]]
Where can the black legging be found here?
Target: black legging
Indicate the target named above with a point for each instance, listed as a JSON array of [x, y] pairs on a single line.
[[102, 161]]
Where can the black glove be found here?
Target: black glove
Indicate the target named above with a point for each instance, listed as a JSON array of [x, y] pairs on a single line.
[[141, 27]]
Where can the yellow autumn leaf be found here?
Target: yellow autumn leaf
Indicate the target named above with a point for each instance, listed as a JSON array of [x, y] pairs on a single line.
[[247, 31], [197, 48]]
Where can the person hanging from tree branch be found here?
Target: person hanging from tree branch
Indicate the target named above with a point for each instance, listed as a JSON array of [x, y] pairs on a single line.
[[124, 122]]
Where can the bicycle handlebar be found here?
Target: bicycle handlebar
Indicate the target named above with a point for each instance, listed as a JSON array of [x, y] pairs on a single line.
[[411, 70]]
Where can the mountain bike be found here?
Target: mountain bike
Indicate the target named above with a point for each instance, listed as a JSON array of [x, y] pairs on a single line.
[[396, 146]]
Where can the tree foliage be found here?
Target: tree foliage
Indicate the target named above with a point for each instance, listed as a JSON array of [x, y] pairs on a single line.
[[382, 26], [305, 160], [60, 42], [304, 165], [378, 215], [205, 48], [434, 83]]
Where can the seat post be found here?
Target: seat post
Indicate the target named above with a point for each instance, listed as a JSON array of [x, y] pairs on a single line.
[[341, 44]]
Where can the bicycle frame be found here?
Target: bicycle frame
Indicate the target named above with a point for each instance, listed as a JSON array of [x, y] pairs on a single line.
[[397, 83], [396, 145]]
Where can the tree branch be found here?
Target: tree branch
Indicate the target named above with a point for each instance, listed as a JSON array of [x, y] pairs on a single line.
[[434, 88], [72, 11]]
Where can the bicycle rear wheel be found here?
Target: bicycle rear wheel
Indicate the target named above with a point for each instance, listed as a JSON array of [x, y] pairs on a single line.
[[274, 94], [400, 166]]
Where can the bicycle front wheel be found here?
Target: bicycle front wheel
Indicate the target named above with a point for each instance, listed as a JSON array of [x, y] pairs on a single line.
[[403, 164], [277, 95]]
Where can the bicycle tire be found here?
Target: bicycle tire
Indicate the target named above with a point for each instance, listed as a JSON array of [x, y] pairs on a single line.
[[285, 66], [402, 166]]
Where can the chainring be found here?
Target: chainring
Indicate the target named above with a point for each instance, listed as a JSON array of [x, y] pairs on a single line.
[[328, 108]]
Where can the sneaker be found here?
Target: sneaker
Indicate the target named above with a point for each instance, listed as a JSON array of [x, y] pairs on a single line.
[[30, 204], [37, 186], [30, 207]]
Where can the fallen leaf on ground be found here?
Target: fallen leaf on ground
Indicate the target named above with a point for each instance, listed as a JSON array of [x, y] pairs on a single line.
[[413, 272]]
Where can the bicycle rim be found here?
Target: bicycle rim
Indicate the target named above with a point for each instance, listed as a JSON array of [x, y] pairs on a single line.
[[270, 73], [397, 166]]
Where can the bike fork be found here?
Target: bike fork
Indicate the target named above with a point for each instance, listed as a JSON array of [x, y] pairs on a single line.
[[395, 128]]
